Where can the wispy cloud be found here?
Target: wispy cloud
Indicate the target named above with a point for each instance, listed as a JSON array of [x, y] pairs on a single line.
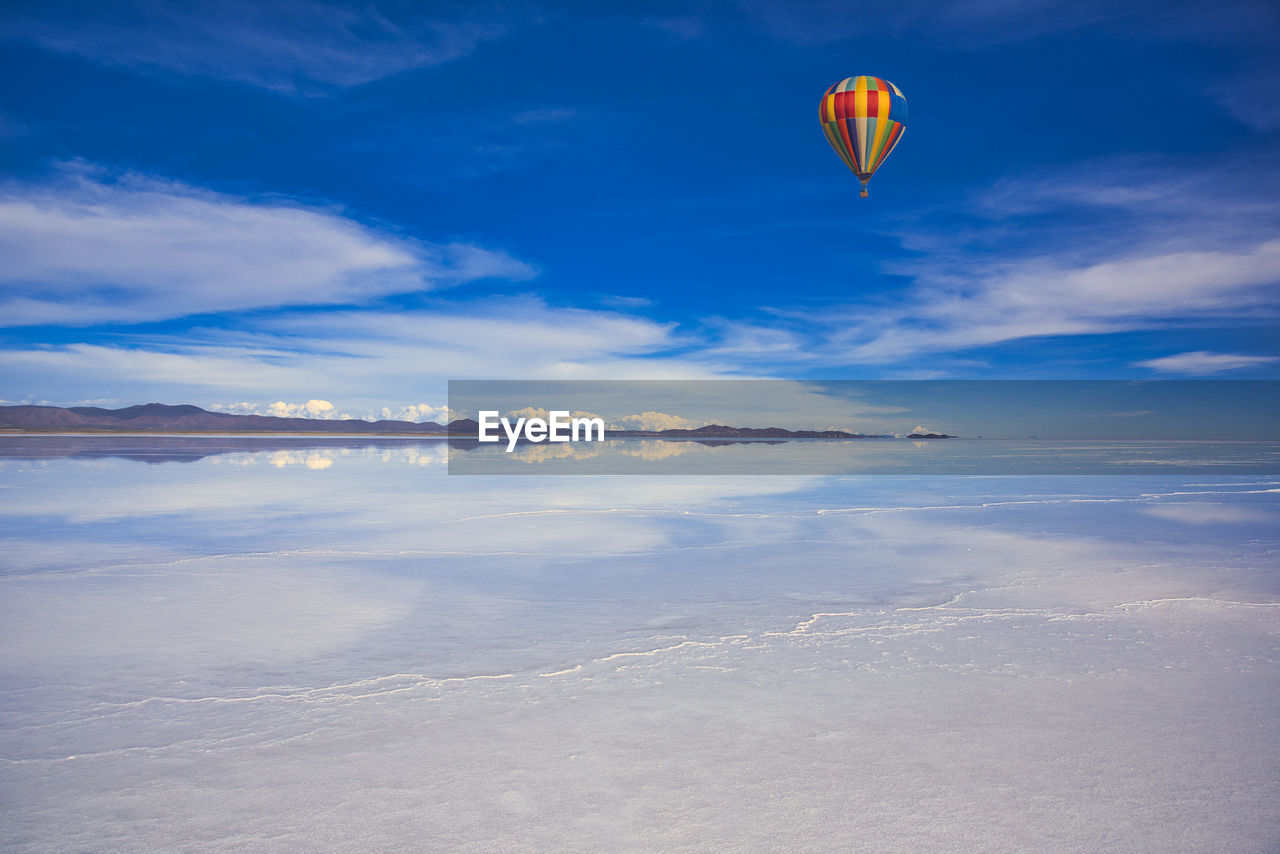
[[525, 131], [1254, 98], [619, 301], [362, 360], [680, 26], [133, 373], [962, 24], [90, 249], [1125, 200], [969, 24], [282, 45], [1203, 363], [1134, 246], [1035, 299], [1021, 300], [545, 115]]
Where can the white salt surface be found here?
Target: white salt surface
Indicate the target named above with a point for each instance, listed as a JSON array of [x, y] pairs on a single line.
[[264, 653]]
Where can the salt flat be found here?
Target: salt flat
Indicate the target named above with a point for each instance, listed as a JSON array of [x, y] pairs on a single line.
[[328, 649]]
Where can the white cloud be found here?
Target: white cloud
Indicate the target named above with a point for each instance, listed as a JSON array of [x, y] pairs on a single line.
[[87, 250], [756, 341], [1022, 299], [288, 47], [358, 359], [651, 420], [1203, 363], [416, 412], [241, 408], [492, 340], [321, 409], [1039, 299], [1152, 201], [128, 369]]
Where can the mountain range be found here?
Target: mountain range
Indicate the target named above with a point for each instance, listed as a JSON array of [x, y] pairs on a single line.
[[163, 418]]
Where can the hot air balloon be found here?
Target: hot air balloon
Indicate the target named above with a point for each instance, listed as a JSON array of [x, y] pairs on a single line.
[[863, 119]]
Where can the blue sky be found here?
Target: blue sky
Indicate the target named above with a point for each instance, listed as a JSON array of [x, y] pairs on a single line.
[[243, 204]]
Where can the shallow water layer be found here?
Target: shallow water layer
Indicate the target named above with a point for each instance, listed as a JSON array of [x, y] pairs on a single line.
[[335, 646]]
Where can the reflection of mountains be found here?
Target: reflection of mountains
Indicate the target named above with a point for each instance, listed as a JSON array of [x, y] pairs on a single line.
[[650, 450], [188, 449]]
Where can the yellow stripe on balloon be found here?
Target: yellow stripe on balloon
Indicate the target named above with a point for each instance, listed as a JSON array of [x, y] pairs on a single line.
[[883, 127]]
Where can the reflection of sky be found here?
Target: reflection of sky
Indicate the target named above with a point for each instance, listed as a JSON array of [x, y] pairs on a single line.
[[366, 652]]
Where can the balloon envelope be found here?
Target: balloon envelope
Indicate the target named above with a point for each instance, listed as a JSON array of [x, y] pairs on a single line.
[[863, 118]]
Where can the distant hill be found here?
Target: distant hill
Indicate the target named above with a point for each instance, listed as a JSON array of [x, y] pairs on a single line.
[[162, 418], [720, 431]]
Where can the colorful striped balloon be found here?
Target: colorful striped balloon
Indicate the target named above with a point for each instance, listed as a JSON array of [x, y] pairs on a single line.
[[863, 119]]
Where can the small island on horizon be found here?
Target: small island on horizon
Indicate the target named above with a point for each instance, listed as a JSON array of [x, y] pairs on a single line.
[[187, 418]]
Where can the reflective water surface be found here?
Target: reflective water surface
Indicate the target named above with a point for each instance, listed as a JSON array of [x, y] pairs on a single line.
[[271, 644]]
